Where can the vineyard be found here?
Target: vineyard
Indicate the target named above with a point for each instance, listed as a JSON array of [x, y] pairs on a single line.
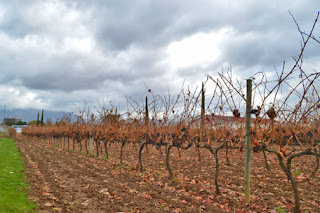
[[189, 152]]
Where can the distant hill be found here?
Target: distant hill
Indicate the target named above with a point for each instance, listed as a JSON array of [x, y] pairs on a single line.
[[31, 114]]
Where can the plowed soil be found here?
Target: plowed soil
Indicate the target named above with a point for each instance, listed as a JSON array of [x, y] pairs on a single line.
[[62, 180]]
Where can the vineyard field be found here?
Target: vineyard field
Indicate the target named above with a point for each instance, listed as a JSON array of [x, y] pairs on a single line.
[[63, 180]]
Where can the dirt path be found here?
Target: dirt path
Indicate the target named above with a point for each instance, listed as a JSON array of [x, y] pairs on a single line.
[[68, 182]]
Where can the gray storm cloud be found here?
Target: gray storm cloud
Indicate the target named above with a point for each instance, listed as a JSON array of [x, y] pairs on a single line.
[[54, 49]]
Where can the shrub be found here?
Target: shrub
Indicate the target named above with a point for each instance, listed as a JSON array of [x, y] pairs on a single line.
[[12, 132]]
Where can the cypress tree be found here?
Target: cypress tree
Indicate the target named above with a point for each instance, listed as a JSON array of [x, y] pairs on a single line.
[[38, 119], [42, 118]]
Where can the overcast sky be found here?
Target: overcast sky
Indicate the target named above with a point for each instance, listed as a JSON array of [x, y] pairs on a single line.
[[57, 54]]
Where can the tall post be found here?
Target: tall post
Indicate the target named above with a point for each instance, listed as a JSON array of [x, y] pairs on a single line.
[[91, 139], [147, 113], [248, 143], [202, 125]]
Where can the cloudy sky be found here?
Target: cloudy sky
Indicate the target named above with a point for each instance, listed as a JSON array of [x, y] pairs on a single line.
[[57, 54]]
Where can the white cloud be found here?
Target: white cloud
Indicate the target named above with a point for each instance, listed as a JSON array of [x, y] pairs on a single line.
[[19, 97], [84, 45], [56, 18], [198, 49], [2, 13]]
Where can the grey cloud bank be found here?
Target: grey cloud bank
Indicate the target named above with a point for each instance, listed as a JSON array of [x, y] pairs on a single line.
[[56, 54]]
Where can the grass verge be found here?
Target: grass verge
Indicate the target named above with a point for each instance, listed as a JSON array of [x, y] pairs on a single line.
[[13, 197]]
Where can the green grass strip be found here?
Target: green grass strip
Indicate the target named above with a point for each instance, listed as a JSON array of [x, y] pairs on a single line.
[[13, 197]]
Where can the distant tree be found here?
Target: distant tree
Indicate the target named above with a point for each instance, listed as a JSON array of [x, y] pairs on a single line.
[[31, 123], [21, 123], [42, 123], [38, 119], [10, 123]]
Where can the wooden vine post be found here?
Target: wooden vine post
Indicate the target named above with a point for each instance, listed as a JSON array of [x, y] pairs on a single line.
[[146, 118], [91, 139], [202, 125], [248, 143]]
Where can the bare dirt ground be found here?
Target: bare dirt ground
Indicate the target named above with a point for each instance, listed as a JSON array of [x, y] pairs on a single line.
[[66, 181]]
